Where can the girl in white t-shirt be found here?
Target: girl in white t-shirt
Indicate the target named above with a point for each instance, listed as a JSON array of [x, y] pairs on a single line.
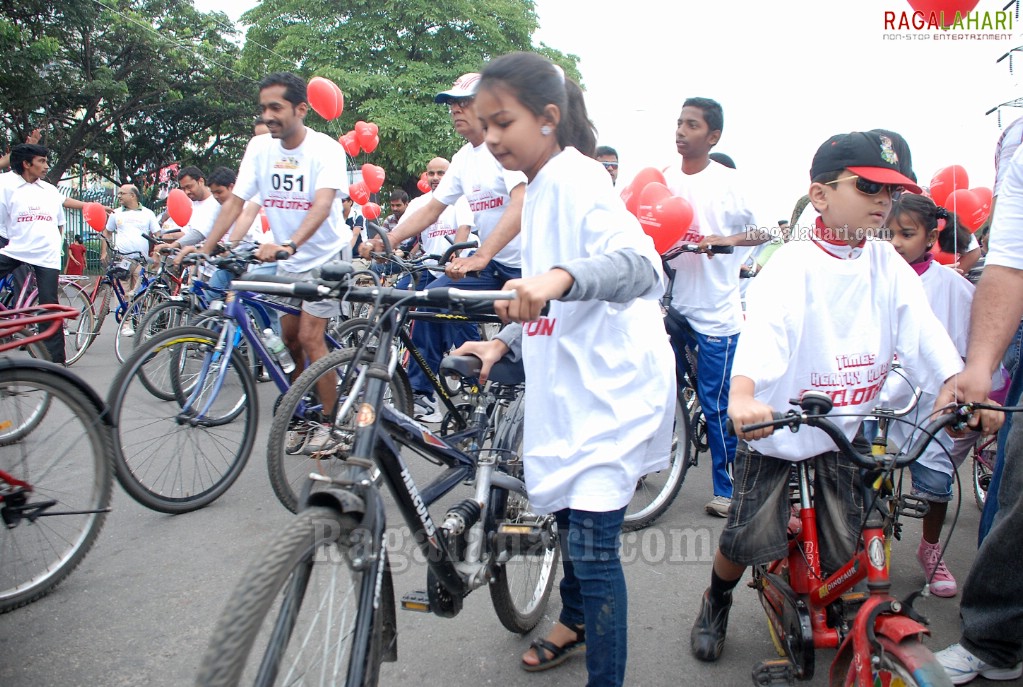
[[599, 369], [913, 229]]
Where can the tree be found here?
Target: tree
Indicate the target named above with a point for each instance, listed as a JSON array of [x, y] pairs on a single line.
[[390, 57], [123, 87]]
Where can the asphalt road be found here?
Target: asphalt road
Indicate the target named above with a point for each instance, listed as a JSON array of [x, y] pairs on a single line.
[[141, 607]]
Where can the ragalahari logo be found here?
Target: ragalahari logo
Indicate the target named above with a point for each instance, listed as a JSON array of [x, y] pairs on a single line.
[[948, 20]]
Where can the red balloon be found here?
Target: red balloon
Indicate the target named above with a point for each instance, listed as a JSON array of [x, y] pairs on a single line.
[[944, 258], [95, 215], [179, 207], [369, 144], [630, 194], [264, 221], [986, 197], [946, 180], [359, 192], [967, 207], [349, 143], [371, 211], [948, 7], [325, 98], [423, 184], [664, 217], [373, 175]]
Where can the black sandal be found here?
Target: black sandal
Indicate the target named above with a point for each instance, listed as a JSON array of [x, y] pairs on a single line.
[[558, 654]]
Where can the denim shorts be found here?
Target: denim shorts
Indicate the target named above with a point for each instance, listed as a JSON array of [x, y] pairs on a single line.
[[757, 529], [324, 309], [930, 484]]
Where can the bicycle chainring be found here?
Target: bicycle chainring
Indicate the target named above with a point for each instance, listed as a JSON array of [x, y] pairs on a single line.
[[789, 618]]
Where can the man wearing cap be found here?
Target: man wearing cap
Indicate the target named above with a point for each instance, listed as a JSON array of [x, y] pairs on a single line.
[[863, 305], [495, 197]]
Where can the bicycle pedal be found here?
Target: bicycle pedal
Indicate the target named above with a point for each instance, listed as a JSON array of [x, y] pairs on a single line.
[[913, 506], [779, 671], [522, 538], [418, 601]]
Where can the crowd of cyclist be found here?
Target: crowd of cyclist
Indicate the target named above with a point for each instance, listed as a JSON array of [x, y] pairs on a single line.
[[601, 394]]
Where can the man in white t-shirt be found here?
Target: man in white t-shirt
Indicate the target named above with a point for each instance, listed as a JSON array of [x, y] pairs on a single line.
[[495, 197], [296, 173], [32, 218], [706, 310], [455, 220]]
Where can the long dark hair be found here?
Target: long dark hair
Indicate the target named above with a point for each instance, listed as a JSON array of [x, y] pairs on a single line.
[[953, 238], [537, 83]]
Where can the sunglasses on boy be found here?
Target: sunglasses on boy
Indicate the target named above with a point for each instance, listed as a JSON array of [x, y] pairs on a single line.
[[609, 165], [872, 188]]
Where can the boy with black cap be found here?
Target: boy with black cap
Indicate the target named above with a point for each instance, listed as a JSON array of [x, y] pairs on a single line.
[[863, 304]]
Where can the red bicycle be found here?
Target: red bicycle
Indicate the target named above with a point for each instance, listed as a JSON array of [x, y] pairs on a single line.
[[55, 469], [878, 637]]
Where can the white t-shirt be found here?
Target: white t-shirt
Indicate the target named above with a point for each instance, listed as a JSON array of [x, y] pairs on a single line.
[[204, 215], [706, 290], [130, 228], [434, 239], [951, 297], [11, 179], [1005, 247], [287, 182], [601, 383], [1008, 142], [31, 216], [476, 174], [814, 321]]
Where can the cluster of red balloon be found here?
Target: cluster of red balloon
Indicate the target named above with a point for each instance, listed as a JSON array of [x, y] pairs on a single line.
[[950, 188], [360, 191], [364, 137], [665, 218]]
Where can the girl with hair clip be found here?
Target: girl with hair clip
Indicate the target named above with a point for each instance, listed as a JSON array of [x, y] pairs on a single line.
[[913, 229], [600, 391]]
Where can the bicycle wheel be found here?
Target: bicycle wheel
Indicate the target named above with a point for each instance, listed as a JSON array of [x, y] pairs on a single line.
[[656, 491], [351, 333], [171, 457], [983, 456], [132, 320], [888, 667], [295, 615], [164, 316], [64, 459], [300, 415], [77, 331], [522, 586]]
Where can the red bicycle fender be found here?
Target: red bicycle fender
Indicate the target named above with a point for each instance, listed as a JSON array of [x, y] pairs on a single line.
[[898, 627], [912, 653]]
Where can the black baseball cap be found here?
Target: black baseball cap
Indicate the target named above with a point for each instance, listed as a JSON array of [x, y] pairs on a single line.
[[867, 154]]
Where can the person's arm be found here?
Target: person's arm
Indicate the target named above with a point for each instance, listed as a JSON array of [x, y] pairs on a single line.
[[244, 222], [228, 215], [323, 200], [414, 225], [507, 228], [616, 277]]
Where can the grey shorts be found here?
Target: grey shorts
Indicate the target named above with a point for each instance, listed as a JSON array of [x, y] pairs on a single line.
[[756, 531], [325, 309]]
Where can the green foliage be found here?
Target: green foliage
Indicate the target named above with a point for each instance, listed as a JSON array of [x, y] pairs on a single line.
[[390, 57], [122, 88]]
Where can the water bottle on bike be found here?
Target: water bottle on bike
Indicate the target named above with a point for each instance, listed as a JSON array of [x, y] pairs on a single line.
[[279, 350]]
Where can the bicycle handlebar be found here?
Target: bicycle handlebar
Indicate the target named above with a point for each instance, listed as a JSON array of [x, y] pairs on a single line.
[[715, 249]]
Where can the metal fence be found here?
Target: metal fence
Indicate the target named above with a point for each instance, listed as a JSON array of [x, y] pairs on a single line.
[[76, 226]]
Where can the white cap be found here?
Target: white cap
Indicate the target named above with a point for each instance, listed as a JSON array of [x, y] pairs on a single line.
[[464, 87]]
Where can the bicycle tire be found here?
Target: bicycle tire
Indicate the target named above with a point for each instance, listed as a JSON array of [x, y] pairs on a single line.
[[164, 316], [78, 330], [351, 333], [136, 311], [273, 591], [165, 460], [656, 491], [521, 587], [889, 669], [981, 474], [66, 460], [289, 471]]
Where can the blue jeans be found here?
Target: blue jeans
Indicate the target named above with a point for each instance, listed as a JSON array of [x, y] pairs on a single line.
[[593, 590], [714, 356], [992, 607], [1012, 364], [434, 340]]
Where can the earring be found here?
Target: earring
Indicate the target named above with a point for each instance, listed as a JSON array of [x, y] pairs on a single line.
[[546, 130]]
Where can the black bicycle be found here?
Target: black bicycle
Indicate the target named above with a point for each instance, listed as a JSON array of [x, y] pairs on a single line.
[[319, 602]]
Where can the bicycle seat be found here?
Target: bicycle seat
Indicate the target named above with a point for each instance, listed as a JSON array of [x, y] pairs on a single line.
[[503, 371]]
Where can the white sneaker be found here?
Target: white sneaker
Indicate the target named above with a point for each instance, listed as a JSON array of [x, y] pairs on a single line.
[[127, 331], [425, 409], [718, 506], [962, 666], [319, 441]]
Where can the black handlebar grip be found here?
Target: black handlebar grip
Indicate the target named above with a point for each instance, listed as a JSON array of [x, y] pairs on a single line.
[[306, 289], [283, 255], [721, 249]]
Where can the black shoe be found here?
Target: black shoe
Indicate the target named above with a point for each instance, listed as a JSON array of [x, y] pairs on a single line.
[[708, 636]]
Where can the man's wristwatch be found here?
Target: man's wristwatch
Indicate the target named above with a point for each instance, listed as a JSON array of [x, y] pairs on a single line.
[[292, 245]]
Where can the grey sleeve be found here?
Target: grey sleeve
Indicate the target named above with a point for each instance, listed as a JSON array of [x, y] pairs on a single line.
[[616, 277], [193, 237], [511, 335]]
